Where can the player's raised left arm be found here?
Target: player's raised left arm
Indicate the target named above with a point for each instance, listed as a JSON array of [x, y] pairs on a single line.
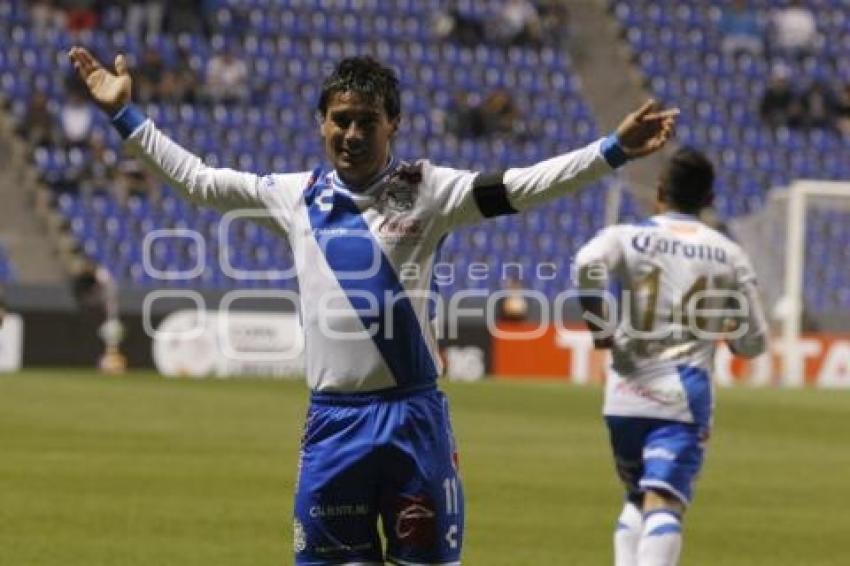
[[642, 132]]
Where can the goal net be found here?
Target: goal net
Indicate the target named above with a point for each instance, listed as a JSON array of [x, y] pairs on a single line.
[[799, 243]]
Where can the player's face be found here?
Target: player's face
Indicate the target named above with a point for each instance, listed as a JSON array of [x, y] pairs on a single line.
[[357, 134]]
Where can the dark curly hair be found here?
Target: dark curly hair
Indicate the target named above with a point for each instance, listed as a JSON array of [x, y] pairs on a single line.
[[368, 78], [688, 181]]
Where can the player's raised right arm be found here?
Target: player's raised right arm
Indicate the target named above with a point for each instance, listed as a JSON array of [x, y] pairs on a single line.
[[594, 263], [222, 188], [471, 197]]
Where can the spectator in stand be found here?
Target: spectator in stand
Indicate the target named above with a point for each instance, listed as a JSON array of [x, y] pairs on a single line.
[[45, 15], [134, 180], [520, 23], [499, 114], [794, 31], [554, 21], [843, 110], [227, 78], [184, 16], [38, 125], [180, 81], [740, 29], [820, 104], [494, 116], [144, 15], [81, 14], [99, 171], [150, 74], [454, 26], [77, 119], [464, 118], [780, 105]]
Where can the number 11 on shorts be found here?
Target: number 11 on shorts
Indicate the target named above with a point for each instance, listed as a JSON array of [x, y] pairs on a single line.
[[450, 487]]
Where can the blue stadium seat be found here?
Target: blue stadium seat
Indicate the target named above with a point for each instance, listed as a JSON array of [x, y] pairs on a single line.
[[293, 43]]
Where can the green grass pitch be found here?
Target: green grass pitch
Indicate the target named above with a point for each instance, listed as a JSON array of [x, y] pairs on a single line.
[[141, 470]]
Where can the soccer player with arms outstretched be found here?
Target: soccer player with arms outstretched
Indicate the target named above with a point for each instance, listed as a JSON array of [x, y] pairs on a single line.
[[682, 287], [378, 440]]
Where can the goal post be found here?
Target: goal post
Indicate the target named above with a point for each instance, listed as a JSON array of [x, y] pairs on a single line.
[[804, 195], [778, 238]]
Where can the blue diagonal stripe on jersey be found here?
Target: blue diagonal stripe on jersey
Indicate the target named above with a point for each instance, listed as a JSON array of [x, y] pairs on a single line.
[[432, 302], [697, 385], [405, 352]]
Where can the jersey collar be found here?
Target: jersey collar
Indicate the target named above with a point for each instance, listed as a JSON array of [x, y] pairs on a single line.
[[340, 184], [673, 215]]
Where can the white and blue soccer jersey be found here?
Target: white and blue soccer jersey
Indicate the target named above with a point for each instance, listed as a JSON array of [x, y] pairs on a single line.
[[378, 439], [668, 273], [364, 258]]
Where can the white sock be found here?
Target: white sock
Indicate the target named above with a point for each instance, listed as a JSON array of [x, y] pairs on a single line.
[[627, 536], [661, 539]]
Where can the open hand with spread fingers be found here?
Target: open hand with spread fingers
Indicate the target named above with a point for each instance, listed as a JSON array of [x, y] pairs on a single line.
[[647, 129], [110, 91]]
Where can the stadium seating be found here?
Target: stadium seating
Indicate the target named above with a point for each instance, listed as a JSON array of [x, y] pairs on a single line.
[[679, 51], [279, 41]]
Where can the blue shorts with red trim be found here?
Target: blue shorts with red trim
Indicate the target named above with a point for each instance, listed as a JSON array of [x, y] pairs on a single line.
[[369, 457]]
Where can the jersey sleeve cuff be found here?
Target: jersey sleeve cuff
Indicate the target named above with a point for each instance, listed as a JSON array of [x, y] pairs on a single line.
[[613, 152], [128, 120]]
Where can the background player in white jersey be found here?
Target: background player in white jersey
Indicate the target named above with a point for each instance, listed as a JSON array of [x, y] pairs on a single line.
[[680, 286], [364, 232]]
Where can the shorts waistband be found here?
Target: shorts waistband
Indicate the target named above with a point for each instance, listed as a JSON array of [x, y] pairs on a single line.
[[367, 397]]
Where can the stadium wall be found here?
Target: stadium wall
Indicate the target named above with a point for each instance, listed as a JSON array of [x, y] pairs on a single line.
[[56, 333], [68, 339], [515, 350], [566, 352]]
